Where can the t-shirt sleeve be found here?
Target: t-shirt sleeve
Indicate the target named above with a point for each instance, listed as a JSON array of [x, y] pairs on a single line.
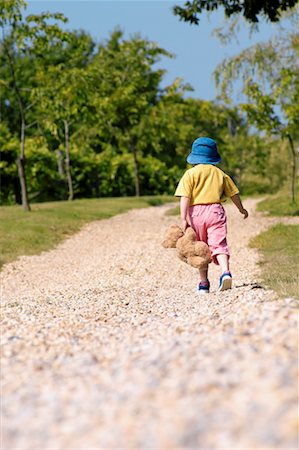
[[229, 188], [185, 186]]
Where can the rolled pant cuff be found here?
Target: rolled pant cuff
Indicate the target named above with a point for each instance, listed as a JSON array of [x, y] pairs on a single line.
[[219, 251]]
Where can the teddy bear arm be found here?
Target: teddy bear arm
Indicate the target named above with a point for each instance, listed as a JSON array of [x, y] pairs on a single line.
[[172, 235]]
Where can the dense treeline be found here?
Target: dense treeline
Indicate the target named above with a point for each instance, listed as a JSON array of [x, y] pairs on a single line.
[[93, 121]]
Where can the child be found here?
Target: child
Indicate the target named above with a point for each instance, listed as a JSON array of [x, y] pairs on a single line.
[[202, 190]]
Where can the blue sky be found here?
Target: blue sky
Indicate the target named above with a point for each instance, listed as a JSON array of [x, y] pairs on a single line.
[[197, 51]]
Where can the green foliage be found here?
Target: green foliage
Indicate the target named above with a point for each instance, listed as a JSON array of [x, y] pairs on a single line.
[[280, 258], [10, 10], [251, 10], [9, 147], [270, 76], [156, 201], [96, 115], [45, 183], [258, 165], [269, 72], [32, 37]]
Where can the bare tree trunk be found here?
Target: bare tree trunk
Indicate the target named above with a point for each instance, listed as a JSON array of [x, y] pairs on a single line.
[[136, 171], [293, 167], [67, 161], [60, 165], [21, 158], [21, 168]]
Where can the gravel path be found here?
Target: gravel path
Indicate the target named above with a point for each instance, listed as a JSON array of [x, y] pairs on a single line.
[[107, 346]]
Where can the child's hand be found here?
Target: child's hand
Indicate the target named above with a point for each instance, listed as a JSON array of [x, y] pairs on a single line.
[[237, 201], [244, 212], [184, 225]]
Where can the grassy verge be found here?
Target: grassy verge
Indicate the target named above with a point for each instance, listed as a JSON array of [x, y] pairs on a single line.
[[280, 258], [279, 205], [48, 224], [279, 246]]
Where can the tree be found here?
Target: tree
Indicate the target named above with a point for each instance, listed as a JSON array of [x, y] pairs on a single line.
[[251, 10], [62, 94], [125, 87], [104, 109], [9, 16], [21, 37], [270, 88], [9, 175]]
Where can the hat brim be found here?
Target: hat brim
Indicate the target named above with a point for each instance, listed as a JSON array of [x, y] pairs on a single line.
[[200, 159]]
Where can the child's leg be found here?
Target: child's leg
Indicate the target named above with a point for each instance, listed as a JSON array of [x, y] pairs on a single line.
[[222, 259], [196, 214], [225, 281], [204, 284], [203, 275], [216, 232]]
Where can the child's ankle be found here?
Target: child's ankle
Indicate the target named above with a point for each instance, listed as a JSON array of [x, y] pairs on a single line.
[[204, 282]]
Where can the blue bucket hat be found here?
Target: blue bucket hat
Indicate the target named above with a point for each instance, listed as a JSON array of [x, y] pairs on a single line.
[[204, 151]]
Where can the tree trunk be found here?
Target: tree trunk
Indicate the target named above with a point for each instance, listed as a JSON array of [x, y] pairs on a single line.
[[21, 158], [60, 165], [293, 167], [67, 161], [21, 169], [136, 172]]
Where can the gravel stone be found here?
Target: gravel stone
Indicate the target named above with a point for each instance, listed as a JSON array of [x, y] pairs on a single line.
[[106, 345]]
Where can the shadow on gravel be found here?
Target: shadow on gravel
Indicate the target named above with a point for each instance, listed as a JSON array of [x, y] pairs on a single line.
[[252, 285]]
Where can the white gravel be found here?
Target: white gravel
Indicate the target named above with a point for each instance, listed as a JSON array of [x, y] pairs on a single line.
[[105, 345]]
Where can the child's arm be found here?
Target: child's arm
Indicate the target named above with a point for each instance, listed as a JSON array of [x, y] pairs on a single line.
[[237, 201], [184, 206]]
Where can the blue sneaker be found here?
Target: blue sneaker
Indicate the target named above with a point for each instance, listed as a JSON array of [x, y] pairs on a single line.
[[203, 287], [225, 281]]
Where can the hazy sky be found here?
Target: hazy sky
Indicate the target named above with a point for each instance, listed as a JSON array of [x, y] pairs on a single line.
[[197, 51]]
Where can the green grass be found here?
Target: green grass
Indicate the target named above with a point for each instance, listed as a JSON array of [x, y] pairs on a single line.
[[279, 247], [23, 233], [279, 205]]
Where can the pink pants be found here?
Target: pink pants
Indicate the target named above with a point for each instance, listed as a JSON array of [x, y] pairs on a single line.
[[209, 223]]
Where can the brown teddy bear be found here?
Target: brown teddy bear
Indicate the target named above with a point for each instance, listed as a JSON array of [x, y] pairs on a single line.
[[193, 252]]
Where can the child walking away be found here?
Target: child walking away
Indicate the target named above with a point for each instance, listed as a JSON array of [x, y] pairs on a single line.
[[202, 189]]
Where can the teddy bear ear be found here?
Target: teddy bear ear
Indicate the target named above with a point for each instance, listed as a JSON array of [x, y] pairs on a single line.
[[173, 234]]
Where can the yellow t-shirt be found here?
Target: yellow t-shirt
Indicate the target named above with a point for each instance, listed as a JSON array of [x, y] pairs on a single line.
[[205, 184]]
